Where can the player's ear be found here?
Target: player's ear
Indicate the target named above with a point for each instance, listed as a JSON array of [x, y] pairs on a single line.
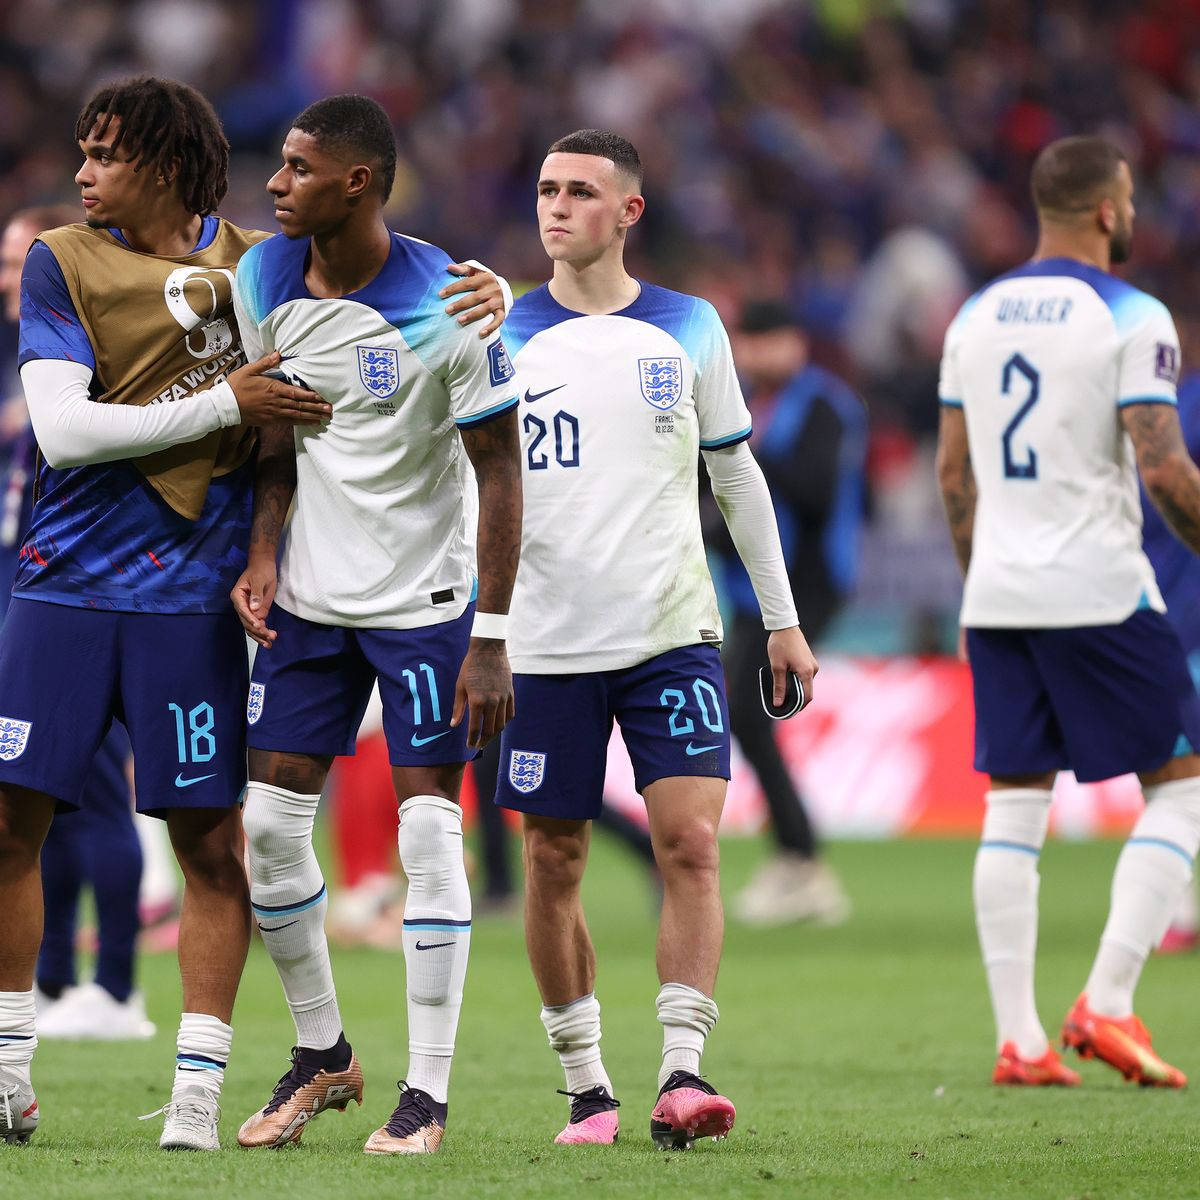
[[1106, 215], [358, 182], [634, 207]]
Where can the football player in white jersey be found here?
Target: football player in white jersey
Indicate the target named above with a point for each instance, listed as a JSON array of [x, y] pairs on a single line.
[[1057, 387], [376, 579], [614, 616]]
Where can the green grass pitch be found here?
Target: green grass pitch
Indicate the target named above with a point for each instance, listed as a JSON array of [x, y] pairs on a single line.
[[858, 1058]]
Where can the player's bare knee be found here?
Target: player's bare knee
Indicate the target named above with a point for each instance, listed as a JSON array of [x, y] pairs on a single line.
[[554, 859], [690, 850]]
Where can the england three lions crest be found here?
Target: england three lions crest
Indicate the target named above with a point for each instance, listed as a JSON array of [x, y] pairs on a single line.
[[14, 736], [379, 369], [526, 770], [254, 703], [662, 381]]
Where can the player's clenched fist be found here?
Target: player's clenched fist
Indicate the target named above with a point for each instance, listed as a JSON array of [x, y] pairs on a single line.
[[485, 686], [265, 398], [787, 650]]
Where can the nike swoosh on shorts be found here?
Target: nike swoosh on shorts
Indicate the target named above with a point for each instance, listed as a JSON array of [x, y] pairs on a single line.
[[180, 782], [693, 750], [418, 742]]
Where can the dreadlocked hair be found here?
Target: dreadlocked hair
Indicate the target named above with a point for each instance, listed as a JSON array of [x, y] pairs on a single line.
[[169, 127]]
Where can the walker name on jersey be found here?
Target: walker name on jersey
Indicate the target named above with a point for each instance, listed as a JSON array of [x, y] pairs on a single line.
[[1025, 310], [202, 376]]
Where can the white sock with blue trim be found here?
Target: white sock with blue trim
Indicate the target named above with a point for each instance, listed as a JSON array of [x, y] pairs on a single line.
[[202, 1053], [18, 1037], [1154, 868], [1006, 911], [287, 894], [437, 936]]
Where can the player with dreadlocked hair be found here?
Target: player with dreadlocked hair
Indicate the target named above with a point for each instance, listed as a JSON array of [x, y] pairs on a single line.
[[139, 530], [169, 129]]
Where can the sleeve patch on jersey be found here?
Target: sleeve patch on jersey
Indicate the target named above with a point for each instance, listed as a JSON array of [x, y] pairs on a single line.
[[662, 381], [1166, 363], [500, 368], [379, 370]]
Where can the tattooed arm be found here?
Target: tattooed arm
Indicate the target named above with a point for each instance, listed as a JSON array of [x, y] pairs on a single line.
[[274, 487], [956, 481], [1166, 468], [485, 682]]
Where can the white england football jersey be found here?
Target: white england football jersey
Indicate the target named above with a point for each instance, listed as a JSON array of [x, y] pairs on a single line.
[[1041, 361], [615, 410], [381, 535]]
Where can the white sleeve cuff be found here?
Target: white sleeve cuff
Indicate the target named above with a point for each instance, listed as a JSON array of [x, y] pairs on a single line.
[[742, 493], [224, 403]]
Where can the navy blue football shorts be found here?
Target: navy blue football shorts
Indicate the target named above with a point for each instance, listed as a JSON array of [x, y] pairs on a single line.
[[673, 715], [176, 681], [309, 691], [1100, 700]]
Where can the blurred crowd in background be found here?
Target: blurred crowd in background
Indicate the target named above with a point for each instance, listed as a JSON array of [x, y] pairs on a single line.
[[865, 162]]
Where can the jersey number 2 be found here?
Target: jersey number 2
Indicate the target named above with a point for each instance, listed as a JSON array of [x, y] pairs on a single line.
[[1017, 365]]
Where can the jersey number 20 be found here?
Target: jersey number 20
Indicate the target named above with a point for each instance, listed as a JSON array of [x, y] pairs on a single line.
[[566, 441], [1018, 366]]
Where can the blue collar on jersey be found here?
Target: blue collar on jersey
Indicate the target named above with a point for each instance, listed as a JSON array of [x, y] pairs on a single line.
[[208, 234]]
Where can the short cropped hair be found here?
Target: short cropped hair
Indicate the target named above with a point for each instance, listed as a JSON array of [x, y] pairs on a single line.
[[169, 127], [603, 144], [357, 126], [1072, 174]]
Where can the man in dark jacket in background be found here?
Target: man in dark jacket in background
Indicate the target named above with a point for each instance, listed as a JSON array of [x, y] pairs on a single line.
[[810, 436]]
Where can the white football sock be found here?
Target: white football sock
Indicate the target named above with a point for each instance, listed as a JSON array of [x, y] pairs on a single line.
[[1154, 869], [574, 1033], [288, 896], [687, 1018], [202, 1053], [18, 1036], [437, 936], [1006, 911]]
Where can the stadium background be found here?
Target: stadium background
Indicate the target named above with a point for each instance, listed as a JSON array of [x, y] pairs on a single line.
[[868, 161]]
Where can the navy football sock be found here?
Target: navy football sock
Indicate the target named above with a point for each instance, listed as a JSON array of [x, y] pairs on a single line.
[[62, 878]]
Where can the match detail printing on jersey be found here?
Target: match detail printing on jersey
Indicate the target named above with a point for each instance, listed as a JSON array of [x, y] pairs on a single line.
[[1041, 361], [614, 412], [382, 532]]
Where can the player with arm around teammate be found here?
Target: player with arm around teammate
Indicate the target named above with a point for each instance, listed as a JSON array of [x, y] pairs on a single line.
[[1057, 389], [137, 531], [375, 581], [615, 616]]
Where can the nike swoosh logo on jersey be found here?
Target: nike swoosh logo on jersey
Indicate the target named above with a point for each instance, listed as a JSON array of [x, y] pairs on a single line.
[[433, 737], [181, 782], [530, 397], [433, 945], [692, 749], [276, 928]]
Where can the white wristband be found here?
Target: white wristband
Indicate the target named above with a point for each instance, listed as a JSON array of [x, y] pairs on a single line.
[[490, 625]]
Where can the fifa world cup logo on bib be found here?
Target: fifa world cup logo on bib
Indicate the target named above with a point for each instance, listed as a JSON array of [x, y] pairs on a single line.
[[379, 369], [662, 381], [14, 736], [200, 298], [526, 770]]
